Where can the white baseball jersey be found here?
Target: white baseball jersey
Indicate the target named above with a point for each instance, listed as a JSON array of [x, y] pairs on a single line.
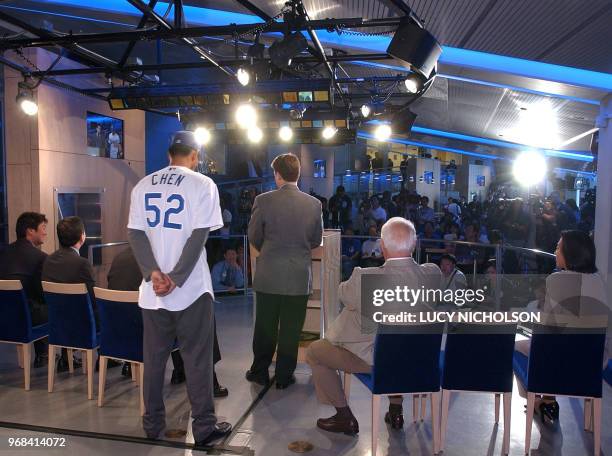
[[168, 205]]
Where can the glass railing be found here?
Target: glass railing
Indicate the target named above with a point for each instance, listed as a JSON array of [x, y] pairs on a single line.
[[216, 246]]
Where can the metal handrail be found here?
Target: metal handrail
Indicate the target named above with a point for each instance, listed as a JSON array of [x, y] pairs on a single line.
[[527, 250]]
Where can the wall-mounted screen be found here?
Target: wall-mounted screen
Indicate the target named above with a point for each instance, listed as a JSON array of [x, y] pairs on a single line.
[[480, 181], [319, 168], [104, 136], [428, 177]]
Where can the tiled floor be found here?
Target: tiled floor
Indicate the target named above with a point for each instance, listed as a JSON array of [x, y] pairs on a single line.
[[279, 418]]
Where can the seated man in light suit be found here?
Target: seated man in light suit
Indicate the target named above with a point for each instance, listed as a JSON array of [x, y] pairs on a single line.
[[346, 347]]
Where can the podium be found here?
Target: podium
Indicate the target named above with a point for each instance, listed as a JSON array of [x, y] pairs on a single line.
[[323, 305]]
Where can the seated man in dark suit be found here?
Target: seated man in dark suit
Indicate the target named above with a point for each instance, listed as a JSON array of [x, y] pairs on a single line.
[[23, 260], [66, 265], [125, 275]]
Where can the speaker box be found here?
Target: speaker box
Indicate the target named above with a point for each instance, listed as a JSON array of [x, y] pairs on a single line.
[[416, 47]]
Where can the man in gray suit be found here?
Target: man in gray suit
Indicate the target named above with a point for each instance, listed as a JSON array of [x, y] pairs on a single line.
[[286, 224], [347, 347]]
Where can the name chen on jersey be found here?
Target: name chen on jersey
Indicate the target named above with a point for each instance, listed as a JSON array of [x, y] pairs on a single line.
[[167, 178]]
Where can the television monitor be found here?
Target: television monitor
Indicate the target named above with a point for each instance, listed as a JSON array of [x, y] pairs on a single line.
[[480, 181], [428, 177], [319, 168], [104, 136]]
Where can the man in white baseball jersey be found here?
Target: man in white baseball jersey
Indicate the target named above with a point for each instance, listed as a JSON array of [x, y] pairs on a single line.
[[171, 214]]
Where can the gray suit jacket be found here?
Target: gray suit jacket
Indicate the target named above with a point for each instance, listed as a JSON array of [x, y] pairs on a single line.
[[346, 330], [286, 224]]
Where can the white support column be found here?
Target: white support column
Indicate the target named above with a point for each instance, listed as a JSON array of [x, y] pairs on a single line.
[[603, 207]]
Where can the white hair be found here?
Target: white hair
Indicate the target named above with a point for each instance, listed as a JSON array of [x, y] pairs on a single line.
[[399, 236]]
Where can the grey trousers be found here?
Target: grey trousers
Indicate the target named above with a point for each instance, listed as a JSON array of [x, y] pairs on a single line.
[[193, 327]]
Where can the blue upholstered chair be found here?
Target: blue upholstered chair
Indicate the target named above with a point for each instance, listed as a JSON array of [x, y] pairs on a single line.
[[478, 360], [71, 325], [564, 365], [120, 334], [16, 324], [404, 363]]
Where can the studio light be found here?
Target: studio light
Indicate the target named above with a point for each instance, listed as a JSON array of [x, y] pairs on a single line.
[[366, 111], [246, 116], [202, 135], [413, 83], [329, 132], [529, 168], [415, 48], [282, 52], [382, 132], [243, 76], [255, 134], [25, 99], [285, 133]]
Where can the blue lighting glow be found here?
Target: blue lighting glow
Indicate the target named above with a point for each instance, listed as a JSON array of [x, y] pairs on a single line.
[[574, 155]]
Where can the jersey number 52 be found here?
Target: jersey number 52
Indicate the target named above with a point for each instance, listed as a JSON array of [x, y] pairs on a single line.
[[151, 206]]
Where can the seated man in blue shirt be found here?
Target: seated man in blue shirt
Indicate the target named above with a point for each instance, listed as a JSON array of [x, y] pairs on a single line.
[[227, 275], [351, 250]]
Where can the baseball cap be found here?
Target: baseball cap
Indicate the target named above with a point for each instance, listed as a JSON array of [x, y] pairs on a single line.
[[186, 138]]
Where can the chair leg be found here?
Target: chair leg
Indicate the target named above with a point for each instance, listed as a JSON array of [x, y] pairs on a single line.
[[529, 423], [435, 421], [507, 421], [423, 406], [141, 386], [588, 415], [27, 364], [134, 369], [497, 398], [415, 407], [20, 355], [596, 426], [90, 371], [446, 394], [83, 364], [347, 385], [51, 368], [375, 421], [102, 380]]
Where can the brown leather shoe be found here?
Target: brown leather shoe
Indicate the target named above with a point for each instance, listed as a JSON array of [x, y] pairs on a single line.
[[335, 424], [396, 420]]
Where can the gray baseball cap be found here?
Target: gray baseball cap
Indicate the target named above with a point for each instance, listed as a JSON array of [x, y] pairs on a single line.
[[186, 138]]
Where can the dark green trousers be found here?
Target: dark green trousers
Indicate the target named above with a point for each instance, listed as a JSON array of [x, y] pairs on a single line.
[[278, 321]]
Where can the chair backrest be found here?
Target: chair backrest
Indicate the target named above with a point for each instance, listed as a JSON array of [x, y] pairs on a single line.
[[479, 358], [71, 317], [566, 363], [16, 321], [120, 324], [406, 362]]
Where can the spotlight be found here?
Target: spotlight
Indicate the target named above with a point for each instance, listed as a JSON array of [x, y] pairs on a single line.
[[529, 168], [329, 132], [285, 133], [243, 76], [366, 110], [382, 132], [282, 52], [246, 116], [413, 83], [202, 135], [25, 99], [403, 121], [254, 134]]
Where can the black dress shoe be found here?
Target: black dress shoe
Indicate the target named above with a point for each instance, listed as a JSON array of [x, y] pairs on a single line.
[[220, 430], [259, 378], [396, 420], [339, 425], [178, 377], [126, 370], [282, 384]]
